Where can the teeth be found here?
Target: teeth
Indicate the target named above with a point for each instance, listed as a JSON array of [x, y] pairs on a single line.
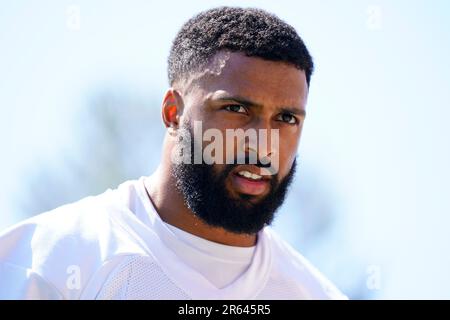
[[249, 175], [255, 176]]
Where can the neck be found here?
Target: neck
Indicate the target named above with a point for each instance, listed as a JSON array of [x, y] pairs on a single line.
[[169, 204]]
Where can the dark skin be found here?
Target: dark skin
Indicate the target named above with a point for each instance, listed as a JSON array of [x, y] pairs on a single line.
[[248, 92]]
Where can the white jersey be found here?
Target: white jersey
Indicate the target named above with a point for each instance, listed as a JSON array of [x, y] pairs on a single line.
[[115, 246]]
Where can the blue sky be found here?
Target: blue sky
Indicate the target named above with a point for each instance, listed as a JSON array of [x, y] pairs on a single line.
[[376, 133]]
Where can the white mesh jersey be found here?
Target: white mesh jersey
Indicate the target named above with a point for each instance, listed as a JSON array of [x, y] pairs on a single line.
[[113, 246]]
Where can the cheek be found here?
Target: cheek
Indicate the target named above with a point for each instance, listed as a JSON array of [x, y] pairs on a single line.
[[287, 152], [217, 145], [286, 161]]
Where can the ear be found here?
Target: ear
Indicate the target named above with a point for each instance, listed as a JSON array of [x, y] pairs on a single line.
[[172, 108]]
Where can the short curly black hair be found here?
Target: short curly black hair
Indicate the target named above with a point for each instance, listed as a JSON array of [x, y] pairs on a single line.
[[254, 32]]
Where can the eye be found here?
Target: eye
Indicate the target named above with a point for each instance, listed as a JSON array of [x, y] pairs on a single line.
[[236, 108], [288, 118]]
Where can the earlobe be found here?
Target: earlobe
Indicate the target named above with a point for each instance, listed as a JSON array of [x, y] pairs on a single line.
[[173, 119]]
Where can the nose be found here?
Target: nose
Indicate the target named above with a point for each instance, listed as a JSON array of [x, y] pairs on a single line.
[[262, 146]]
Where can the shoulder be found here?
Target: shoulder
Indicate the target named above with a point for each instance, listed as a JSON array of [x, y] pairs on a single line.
[[294, 272], [68, 244]]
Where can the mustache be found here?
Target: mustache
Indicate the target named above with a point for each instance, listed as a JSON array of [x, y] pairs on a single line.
[[246, 160]]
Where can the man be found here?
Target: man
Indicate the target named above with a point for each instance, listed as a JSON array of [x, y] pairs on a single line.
[[198, 228]]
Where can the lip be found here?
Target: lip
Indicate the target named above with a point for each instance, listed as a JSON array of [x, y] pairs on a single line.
[[247, 186]]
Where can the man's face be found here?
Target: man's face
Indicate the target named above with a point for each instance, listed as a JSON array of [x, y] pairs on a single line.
[[245, 93]]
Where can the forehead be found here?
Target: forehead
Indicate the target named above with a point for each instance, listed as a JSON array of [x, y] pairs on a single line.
[[263, 81]]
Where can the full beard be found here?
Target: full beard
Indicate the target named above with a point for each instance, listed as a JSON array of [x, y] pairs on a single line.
[[206, 195]]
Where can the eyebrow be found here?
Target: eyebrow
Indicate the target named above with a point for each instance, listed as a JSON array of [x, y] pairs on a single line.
[[252, 104]]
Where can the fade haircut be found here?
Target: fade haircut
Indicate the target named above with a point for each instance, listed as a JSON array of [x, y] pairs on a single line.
[[253, 32]]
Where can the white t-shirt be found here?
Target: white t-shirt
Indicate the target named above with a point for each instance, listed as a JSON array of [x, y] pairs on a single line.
[[219, 264], [115, 246]]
